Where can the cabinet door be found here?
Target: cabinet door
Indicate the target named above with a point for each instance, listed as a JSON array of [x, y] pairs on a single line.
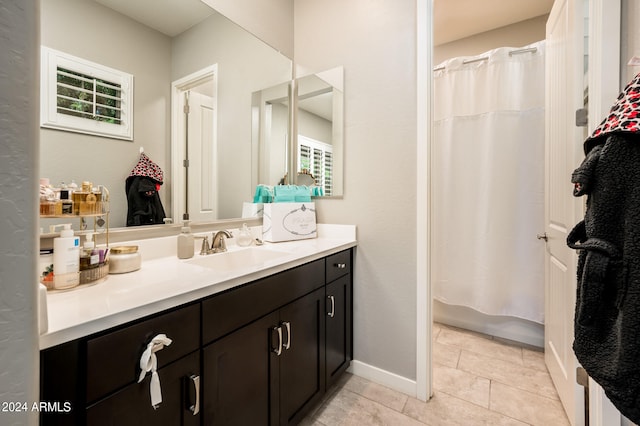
[[132, 405], [238, 373], [302, 380], [338, 319]]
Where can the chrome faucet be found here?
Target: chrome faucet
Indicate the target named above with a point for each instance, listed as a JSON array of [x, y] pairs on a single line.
[[219, 241], [218, 245]]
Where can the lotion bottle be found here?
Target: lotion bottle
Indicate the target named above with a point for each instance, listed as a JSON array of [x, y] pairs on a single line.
[[185, 242], [66, 258]]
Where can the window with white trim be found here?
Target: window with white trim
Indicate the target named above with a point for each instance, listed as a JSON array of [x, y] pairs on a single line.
[[85, 97], [316, 157]]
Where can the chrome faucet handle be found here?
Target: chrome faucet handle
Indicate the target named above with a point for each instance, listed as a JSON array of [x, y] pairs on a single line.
[[204, 249]]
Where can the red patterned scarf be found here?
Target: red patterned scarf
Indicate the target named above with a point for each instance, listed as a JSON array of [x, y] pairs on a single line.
[[623, 117], [147, 168]]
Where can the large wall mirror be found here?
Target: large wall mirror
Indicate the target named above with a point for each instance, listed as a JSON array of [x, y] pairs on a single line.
[[170, 51], [108, 32]]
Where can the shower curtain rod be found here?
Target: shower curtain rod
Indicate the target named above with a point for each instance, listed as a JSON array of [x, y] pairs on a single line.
[[485, 58]]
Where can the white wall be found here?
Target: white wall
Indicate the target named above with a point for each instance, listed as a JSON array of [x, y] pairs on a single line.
[[630, 40], [314, 126], [271, 21], [375, 41], [19, 103], [515, 35]]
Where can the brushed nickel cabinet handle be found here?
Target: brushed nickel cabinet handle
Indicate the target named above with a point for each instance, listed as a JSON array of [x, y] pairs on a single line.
[[195, 408], [287, 325], [278, 350], [332, 313], [340, 265]]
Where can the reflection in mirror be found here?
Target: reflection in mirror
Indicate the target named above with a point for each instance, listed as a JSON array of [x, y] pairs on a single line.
[[156, 57], [317, 151], [270, 129], [320, 128]]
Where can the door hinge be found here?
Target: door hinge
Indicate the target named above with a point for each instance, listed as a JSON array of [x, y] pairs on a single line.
[[582, 117]]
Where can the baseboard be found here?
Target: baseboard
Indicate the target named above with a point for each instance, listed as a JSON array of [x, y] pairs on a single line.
[[383, 377]]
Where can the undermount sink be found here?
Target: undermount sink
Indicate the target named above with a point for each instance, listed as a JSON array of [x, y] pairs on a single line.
[[238, 259]]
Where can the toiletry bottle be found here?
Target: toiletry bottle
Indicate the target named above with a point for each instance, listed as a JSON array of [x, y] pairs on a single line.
[[47, 198], [89, 257], [185, 242], [97, 191], [66, 258], [64, 206], [80, 196], [88, 206]]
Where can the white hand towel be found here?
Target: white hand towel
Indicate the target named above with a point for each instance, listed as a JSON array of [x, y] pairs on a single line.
[[149, 362]]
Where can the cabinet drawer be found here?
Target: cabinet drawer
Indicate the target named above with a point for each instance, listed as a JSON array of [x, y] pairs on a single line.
[[113, 359], [132, 405], [228, 311], [338, 264]]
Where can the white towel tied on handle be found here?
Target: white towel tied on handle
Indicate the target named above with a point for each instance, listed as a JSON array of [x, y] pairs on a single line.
[[149, 362]]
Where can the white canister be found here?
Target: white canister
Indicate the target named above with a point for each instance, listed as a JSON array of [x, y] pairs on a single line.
[[124, 259]]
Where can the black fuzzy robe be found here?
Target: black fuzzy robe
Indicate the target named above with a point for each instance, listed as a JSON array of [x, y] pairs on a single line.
[[143, 202], [607, 316]]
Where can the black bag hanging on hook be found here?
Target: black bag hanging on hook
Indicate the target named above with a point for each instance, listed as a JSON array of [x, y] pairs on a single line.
[[607, 315]]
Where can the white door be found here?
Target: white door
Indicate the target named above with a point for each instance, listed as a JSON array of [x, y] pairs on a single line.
[[203, 181], [563, 151], [604, 87], [197, 131]]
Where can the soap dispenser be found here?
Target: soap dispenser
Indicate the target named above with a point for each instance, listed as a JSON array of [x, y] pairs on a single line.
[[66, 258], [185, 242]]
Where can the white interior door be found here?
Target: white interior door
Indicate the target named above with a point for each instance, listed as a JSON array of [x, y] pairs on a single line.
[[563, 151], [604, 87], [197, 131], [203, 182]]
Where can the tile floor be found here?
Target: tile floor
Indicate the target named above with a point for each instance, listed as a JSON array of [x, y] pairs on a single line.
[[477, 380]]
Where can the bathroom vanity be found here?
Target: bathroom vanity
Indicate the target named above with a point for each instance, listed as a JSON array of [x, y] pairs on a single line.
[[259, 344]]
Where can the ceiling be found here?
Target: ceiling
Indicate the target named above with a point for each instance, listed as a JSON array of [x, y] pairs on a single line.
[[456, 19], [453, 19], [170, 17]]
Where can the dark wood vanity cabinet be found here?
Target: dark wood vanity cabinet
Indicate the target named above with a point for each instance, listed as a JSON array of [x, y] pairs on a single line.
[[263, 353]]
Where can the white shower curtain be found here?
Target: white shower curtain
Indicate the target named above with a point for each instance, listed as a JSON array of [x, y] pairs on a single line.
[[488, 183]]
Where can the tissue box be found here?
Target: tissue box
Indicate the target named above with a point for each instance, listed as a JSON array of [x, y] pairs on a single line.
[[252, 210], [289, 221]]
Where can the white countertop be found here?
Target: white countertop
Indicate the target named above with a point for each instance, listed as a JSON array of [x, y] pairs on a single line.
[[164, 281]]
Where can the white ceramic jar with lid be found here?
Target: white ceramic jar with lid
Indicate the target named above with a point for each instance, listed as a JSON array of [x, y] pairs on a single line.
[[123, 259]]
